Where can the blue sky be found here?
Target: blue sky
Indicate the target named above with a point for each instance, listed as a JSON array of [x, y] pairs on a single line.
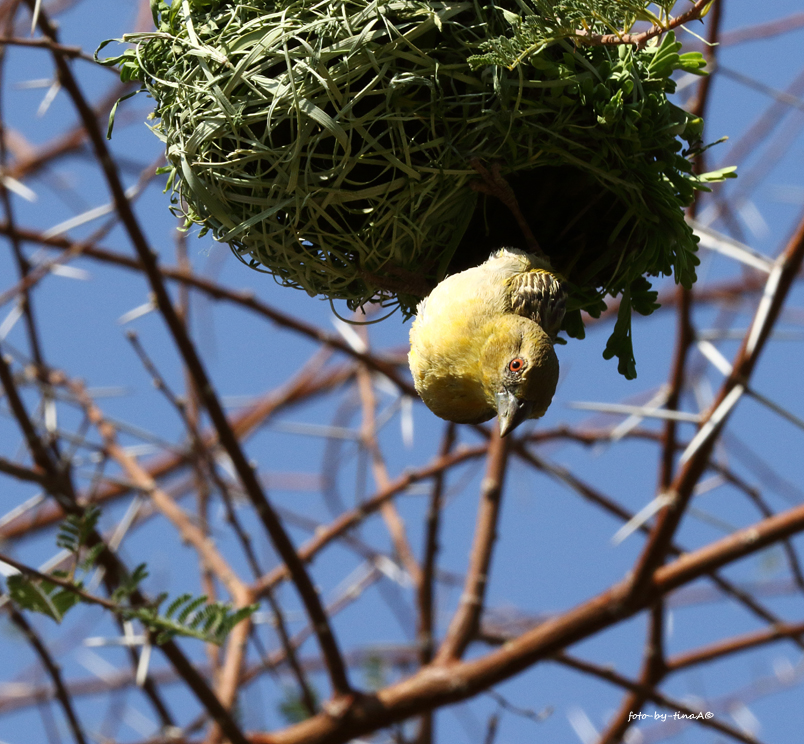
[[554, 549]]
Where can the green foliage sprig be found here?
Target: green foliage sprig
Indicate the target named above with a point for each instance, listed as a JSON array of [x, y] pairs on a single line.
[[191, 617], [55, 594], [56, 597], [540, 23]]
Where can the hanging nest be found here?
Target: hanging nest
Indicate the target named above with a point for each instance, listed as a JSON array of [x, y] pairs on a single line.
[[330, 143]]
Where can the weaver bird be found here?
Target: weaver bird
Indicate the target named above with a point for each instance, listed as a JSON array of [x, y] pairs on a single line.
[[482, 341]]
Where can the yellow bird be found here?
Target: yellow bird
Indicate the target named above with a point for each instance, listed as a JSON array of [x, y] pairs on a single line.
[[482, 341]]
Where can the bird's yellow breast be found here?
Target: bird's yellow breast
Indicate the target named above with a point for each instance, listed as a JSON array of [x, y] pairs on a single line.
[[444, 361], [446, 340]]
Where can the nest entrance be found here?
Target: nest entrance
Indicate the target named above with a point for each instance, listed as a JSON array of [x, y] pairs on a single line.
[[571, 214]]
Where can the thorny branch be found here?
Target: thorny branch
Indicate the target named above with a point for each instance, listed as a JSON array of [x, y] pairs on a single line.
[[694, 13], [64, 448], [196, 368]]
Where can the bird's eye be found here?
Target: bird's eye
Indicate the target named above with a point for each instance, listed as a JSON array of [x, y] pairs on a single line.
[[516, 365]]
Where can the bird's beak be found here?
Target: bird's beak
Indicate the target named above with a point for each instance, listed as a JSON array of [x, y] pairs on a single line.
[[511, 411]]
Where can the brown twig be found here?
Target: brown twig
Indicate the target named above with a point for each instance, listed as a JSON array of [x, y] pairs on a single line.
[[466, 621], [645, 692], [67, 51], [639, 40], [189, 410], [779, 284], [23, 266], [426, 598], [308, 382], [389, 513], [114, 571], [435, 686], [58, 581], [229, 675], [653, 666], [325, 535], [53, 670], [782, 631], [271, 522], [19, 472]]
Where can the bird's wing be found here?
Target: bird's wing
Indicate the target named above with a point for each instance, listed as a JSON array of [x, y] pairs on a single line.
[[537, 294]]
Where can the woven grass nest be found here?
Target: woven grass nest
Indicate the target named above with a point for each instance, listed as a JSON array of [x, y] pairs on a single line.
[[331, 143]]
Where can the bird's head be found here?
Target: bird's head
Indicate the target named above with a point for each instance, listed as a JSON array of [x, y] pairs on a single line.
[[520, 370]]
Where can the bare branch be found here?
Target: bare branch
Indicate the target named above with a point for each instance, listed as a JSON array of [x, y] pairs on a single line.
[[62, 693], [466, 620], [639, 40]]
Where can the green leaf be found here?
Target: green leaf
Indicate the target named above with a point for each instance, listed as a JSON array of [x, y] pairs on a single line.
[[191, 608], [573, 324], [74, 531], [130, 584], [176, 603], [41, 596], [693, 62], [211, 624], [721, 174], [113, 112], [643, 296], [619, 343], [91, 557]]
